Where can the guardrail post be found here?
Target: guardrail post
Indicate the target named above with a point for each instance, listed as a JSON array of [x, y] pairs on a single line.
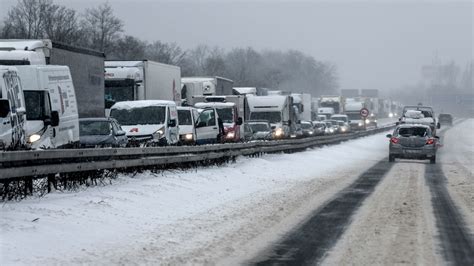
[[52, 180]]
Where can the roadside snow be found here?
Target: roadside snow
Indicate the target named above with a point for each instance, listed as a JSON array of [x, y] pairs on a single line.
[[163, 212]]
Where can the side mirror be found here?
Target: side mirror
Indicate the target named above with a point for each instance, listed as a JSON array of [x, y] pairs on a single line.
[[389, 135], [239, 121], [4, 108], [273, 127], [120, 133], [438, 126], [436, 137], [201, 124], [400, 119], [54, 118], [172, 123], [397, 123]]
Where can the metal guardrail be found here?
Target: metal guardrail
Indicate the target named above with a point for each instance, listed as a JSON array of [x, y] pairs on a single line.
[[39, 163]]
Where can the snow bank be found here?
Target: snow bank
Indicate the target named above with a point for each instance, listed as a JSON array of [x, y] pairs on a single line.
[[62, 226]]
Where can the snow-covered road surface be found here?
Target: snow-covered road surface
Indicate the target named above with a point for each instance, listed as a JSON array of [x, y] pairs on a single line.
[[235, 213], [194, 216]]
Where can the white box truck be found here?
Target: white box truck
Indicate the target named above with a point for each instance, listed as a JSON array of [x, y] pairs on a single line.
[[205, 86], [141, 80], [86, 67]]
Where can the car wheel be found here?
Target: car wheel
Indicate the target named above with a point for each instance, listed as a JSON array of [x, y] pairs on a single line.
[[433, 160], [391, 158]]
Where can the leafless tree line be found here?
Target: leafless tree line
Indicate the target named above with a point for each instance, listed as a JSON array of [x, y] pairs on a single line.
[[98, 28]]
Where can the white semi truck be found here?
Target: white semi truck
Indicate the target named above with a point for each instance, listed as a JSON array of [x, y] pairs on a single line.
[[141, 80], [276, 109], [204, 86], [86, 67], [335, 102]]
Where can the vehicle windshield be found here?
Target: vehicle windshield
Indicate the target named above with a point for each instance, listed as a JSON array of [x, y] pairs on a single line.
[[340, 123], [152, 115], [413, 131], [319, 125], [258, 127], [340, 118], [91, 128], [226, 114], [306, 126], [272, 117], [118, 91], [328, 124], [184, 117]]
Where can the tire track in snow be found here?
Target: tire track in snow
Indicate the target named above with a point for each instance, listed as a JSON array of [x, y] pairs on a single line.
[[309, 242], [457, 242]]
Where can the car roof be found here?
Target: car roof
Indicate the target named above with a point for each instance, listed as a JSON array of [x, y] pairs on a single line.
[[257, 121]]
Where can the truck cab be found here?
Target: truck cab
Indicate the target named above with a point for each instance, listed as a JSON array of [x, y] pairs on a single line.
[[51, 106], [276, 109]]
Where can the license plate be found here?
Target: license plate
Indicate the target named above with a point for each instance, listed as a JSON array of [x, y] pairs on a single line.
[[413, 151]]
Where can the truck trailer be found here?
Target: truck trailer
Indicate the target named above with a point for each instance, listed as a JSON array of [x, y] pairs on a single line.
[[86, 66], [204, 86]]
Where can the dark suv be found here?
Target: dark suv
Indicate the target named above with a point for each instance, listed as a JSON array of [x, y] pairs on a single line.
[[413, 141], [445, 119]]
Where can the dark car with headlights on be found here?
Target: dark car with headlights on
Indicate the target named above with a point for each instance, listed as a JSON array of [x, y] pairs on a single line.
[[413, 141], [445, 119], [101, 132], [308, 128], [261, 129]]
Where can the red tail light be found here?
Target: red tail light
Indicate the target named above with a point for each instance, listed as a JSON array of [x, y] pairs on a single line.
[[394, 140], [430, 141]]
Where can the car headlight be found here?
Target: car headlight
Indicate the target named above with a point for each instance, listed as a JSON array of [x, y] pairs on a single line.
[[34, 138], [331, 130], [343, 129], [278, 132], [311, 132], [367, 121], [375, 121], [360, 124], [390, 115], [188, 136], [230, 135], [159, 133]]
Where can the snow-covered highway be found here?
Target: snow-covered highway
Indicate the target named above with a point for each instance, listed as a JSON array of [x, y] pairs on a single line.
[[243, 212]]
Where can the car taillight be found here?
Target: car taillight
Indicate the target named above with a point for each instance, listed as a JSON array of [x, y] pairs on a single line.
[[394, 140], [430, 141]]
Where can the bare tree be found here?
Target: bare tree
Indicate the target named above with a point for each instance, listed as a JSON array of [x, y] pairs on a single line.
[[26, 19], [129, 48], [61, 24], [36, 19], [167, 53], [102, 27]]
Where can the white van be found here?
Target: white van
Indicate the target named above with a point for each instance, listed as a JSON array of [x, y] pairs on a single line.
[[51, 107], [12, 110], [148, 122]]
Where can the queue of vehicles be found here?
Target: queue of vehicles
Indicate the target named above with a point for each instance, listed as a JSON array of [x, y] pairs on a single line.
[[43, 104]]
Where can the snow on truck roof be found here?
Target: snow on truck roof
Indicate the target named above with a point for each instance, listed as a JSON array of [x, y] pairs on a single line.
[[203, 79], [122, 73], [25, 45], [214, 104], [141, 104], [274, 102], [246, 90]]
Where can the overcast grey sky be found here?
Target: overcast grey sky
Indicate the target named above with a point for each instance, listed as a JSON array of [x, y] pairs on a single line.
[[374, 44]]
